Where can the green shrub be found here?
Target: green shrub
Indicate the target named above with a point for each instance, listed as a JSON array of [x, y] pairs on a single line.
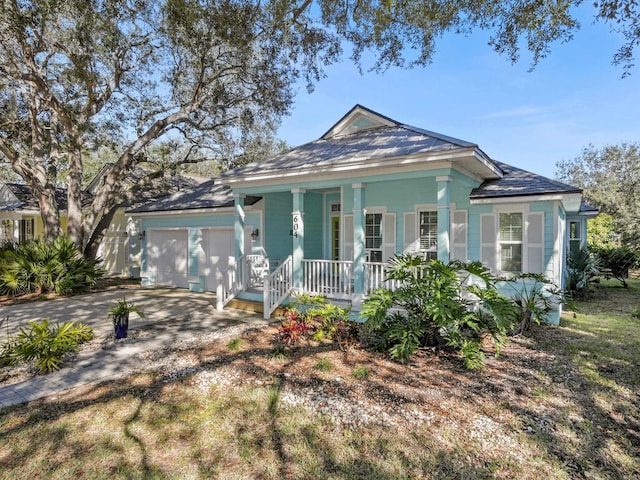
[[45, 344], [437, 304], [617, 261], [36, 267]]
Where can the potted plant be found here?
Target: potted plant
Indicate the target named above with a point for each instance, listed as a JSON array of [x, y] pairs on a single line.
[[120, 316]]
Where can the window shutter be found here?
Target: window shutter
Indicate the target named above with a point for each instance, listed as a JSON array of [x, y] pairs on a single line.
[[388, 236], [488, 241], [459, 235], [348, 238], [411, 238], [534, 237]]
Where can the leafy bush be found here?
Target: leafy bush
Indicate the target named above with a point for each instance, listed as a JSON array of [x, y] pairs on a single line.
[[437, 304], [533, 297], [617, 261], [44, 343], [36, 267]]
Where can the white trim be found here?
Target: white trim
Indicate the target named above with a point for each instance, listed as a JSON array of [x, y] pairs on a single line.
[[382, 210], [444, 178], [339, 127], [198, 211], [512, 208], [564, 197]]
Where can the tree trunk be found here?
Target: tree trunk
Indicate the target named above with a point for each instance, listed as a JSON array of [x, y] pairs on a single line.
[[93, 244], [74, 198], [49, 213]]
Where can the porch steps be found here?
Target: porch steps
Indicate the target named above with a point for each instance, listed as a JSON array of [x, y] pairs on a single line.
[[252, 306]]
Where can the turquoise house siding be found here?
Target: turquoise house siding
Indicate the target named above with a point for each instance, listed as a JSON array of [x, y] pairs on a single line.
[[313, 225], [278, 207]]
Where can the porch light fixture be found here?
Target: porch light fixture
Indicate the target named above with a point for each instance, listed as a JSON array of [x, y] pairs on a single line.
[[255, 234]]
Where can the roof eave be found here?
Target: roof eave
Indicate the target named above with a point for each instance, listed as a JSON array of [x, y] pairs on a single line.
[[472, 154]]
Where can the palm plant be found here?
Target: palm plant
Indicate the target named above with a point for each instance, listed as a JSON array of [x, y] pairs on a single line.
[[435, 304]]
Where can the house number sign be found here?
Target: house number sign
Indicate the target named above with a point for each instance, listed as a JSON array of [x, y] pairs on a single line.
[[296, 226]]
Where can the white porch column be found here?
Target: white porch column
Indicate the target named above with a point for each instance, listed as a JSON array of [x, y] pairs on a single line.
[[444, 220], [358, 241], [16, 230], [297, 232], [238, 215]]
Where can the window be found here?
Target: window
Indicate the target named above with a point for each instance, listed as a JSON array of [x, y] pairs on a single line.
[[511, 242], [26, 230], [574, 237], [6, 232], [428, 228], [373, 237]]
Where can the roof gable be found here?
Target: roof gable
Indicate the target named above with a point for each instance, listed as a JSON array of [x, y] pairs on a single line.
[[359, 118], [7, 197]]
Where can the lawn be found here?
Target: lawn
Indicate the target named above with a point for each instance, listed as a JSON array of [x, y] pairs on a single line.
[[561, 404]]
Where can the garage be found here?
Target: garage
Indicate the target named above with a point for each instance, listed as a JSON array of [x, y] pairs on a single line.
[[219, 249], [167, 253]]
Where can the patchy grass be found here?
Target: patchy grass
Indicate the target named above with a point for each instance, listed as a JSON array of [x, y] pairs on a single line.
[[562, 404]]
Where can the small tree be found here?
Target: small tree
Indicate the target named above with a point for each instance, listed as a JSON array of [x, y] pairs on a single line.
[[437, 304]]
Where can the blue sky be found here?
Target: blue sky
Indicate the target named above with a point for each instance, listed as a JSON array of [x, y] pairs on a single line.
[[531, 120]]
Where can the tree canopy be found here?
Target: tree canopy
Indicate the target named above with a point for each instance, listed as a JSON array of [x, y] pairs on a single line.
[[80, 75], [610, 178]]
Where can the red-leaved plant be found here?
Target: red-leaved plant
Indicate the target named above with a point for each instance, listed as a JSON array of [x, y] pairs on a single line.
[[292, 329]]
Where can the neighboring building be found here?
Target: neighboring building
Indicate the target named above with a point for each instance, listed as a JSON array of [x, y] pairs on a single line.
[[20, 218], [331, 212]]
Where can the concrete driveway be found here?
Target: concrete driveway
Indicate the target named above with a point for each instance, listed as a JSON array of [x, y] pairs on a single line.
[[168, 312], [173, 317]]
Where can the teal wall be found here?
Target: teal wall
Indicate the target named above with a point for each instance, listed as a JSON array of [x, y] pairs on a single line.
[[313, 225], [277, 223]]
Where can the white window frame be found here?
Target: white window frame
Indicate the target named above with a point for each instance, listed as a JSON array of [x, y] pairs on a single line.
[[430, 253], [381, 248], [578, 237], [502, 243]]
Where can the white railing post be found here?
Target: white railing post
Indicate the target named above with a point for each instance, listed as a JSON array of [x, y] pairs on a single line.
[[266, 297]]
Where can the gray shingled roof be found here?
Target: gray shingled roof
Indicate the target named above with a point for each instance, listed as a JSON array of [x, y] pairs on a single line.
[[374, 143], [205, 195], [588, 209], [518, 182], [28, 201]]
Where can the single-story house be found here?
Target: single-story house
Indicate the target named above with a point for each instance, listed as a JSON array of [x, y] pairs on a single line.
[[324, 217]]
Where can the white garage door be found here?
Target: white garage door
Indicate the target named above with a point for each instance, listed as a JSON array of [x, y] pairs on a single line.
[[167, 256]]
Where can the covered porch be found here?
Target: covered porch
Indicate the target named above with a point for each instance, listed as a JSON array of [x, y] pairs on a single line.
[[333, 245]]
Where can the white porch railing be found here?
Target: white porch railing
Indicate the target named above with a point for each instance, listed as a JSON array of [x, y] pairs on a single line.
[[328, 277], [375, 277], [277, 286], [257, 267], [231, 283]]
